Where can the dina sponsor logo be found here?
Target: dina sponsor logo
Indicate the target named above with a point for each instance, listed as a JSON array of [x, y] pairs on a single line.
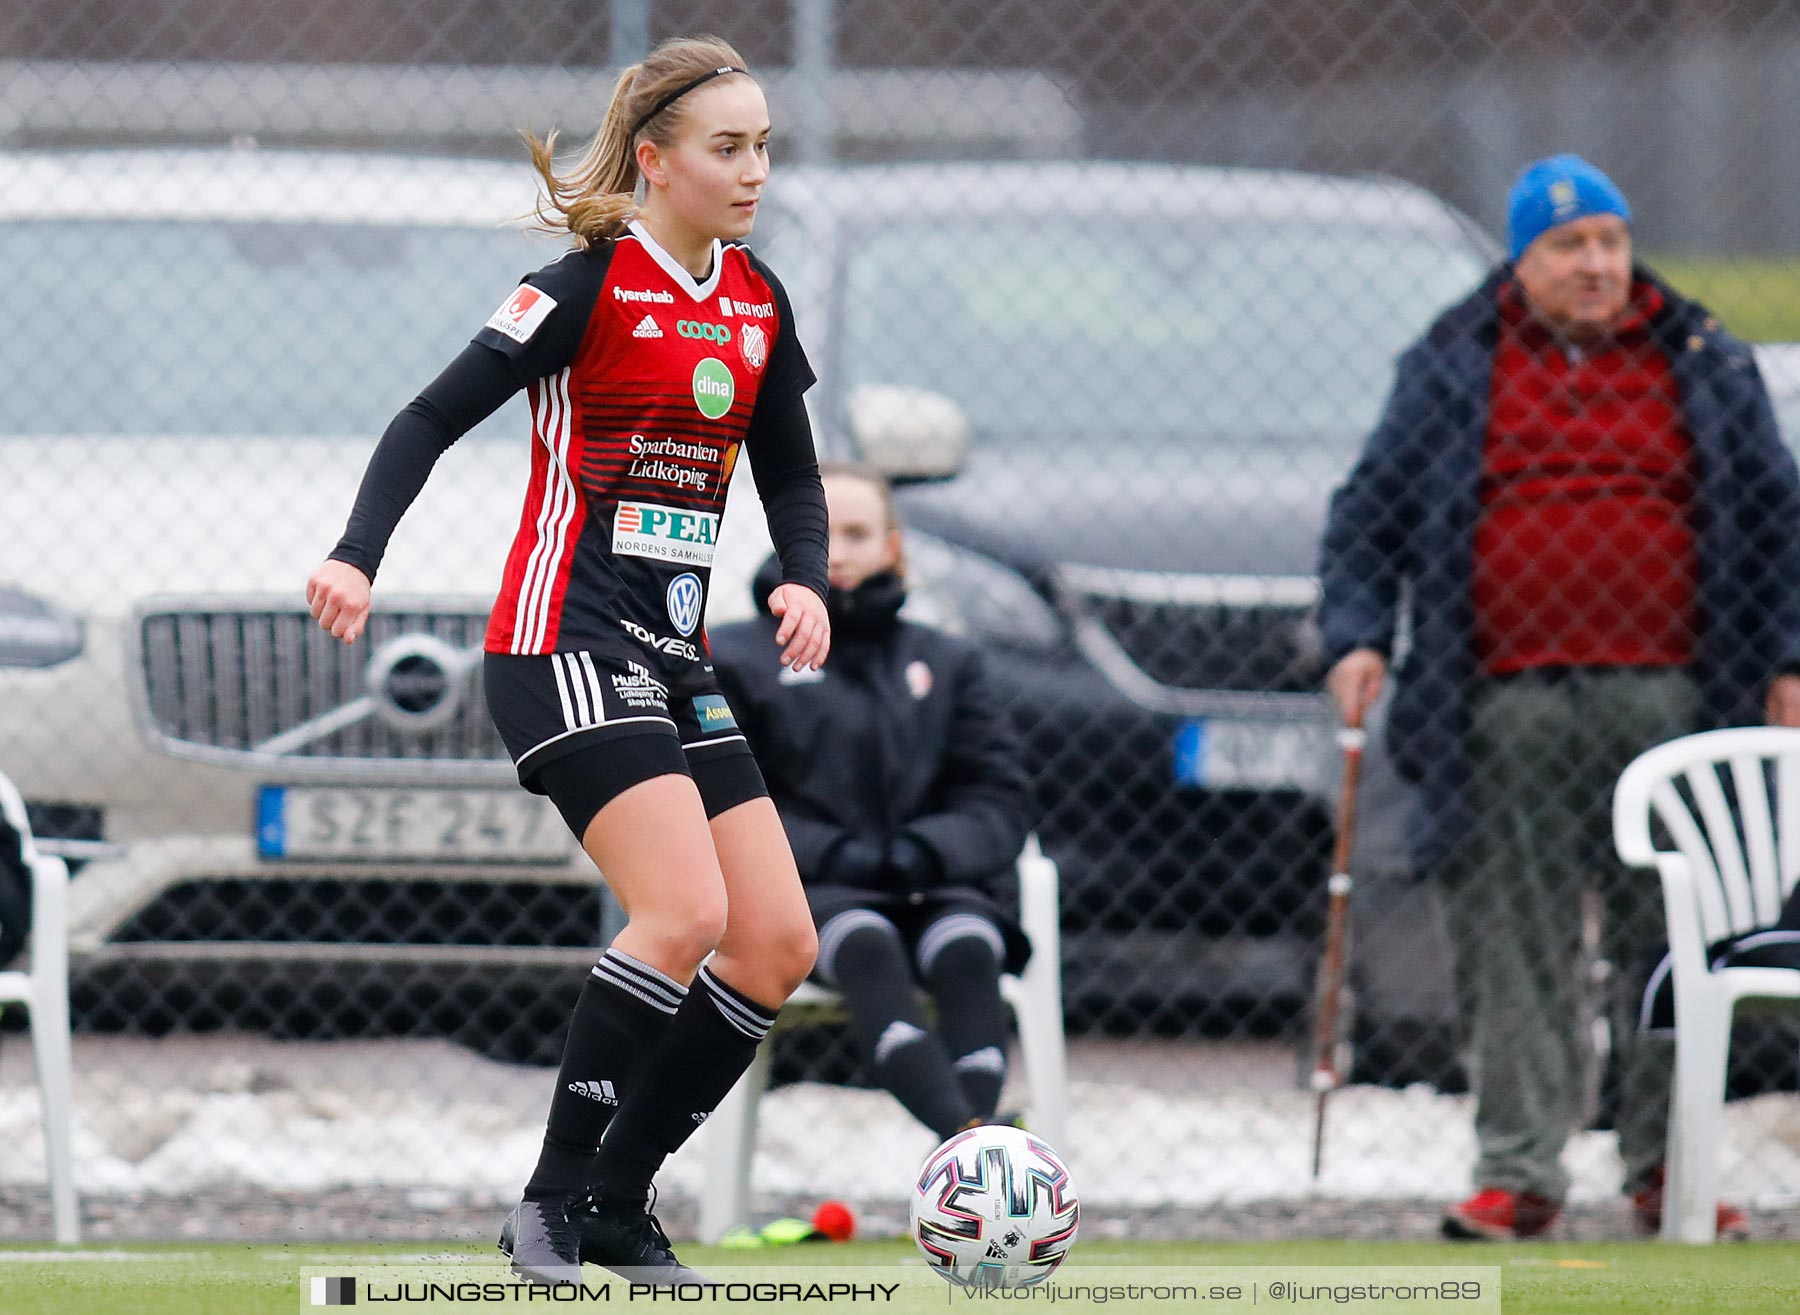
[[669, 534], [714, 388]]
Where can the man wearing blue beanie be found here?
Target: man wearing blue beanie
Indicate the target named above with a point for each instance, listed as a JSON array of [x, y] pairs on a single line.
[[1579, 485]]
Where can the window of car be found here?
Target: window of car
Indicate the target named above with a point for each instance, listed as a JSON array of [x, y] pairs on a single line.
[[1245, 332], [251, 328]]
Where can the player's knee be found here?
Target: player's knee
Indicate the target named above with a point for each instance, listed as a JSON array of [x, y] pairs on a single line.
[[795, 952], [687, 935]]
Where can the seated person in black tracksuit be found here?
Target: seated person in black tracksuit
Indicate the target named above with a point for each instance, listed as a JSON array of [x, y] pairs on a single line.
[[901, 784]]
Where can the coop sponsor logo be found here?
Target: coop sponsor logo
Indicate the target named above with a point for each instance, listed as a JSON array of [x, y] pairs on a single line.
[[521, 314], [656, 459], [669, 534], [705, 330], [644, 294], [674, 647]]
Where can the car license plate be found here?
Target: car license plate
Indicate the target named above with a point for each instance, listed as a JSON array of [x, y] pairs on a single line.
[[454, 825], [1223, 753]]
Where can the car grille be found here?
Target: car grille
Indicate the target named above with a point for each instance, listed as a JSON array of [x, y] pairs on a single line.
[[1208, 633], [234, 680], [347, 911]]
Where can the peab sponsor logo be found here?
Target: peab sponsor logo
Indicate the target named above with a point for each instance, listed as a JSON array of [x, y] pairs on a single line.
[[669, 534], [674, 647], [705, 330], [714, 388], [644, 294], [520, 314]]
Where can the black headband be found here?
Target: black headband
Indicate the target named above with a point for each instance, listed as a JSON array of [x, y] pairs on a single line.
[[681, 91]]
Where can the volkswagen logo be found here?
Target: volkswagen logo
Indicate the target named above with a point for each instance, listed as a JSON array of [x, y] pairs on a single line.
[[416, 682], [684, 602]]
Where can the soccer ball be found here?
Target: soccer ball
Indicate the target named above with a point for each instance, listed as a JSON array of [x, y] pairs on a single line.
[[993, 1208]]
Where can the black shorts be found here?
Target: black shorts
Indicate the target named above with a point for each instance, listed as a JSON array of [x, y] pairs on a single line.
[[584, 727]]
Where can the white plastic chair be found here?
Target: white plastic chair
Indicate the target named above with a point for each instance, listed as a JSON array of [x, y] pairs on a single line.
[[43, 988], [1035, 997], [1729, 872]]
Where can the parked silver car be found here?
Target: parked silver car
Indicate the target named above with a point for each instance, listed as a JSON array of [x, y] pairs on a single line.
[[208, 344]]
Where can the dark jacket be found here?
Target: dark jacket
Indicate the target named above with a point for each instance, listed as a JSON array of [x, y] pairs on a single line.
[[898, 738], [1405, 520]]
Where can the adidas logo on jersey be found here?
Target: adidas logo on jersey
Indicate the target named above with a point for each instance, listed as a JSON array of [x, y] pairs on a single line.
[[601, 1091], [647, 328]]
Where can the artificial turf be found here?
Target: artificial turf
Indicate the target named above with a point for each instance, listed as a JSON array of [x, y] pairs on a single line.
[[1579, 1279]]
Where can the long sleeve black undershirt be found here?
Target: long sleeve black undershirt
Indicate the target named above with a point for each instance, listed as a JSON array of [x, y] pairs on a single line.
[[471, 388], [786, 470], [480, 380]]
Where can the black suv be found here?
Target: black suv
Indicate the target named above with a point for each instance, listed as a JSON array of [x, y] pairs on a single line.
[[1118, 397]]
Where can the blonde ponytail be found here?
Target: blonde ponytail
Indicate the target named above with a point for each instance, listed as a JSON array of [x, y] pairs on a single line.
[[597, 196]]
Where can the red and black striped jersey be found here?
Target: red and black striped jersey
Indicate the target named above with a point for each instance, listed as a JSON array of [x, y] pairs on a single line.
[[642, 382]]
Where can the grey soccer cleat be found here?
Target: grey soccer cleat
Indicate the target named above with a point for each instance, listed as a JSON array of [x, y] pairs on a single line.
[[543, 1243]]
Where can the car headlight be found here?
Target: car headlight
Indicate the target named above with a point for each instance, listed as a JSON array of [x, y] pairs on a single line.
[[35, 632], [963, 592]]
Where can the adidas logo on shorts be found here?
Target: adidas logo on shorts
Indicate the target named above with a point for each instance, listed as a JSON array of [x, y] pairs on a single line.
[[647, 328], [601, 1091]]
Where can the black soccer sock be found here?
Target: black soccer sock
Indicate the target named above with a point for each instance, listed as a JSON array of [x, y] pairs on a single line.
[[868, 964], [625, 1009], [707, 1048], [960, 962]]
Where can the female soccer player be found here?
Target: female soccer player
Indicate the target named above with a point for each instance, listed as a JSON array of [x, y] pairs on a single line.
[[904, 793], [651, 352]]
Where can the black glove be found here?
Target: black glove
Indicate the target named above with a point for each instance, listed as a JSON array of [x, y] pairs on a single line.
[[911, 864], [852, 861]]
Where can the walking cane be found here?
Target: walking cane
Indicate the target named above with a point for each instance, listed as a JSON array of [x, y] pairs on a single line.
[[1325, 1076]]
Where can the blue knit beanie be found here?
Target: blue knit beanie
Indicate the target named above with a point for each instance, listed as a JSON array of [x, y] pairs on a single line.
[[1554, 191]]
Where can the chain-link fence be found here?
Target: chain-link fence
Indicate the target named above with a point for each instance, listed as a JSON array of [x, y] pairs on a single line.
[[1144, 271]]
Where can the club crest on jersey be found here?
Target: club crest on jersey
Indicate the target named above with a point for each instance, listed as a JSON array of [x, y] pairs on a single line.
[[714, 388], [520, 314], [669, 534], [754, 344], [684, 600]]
